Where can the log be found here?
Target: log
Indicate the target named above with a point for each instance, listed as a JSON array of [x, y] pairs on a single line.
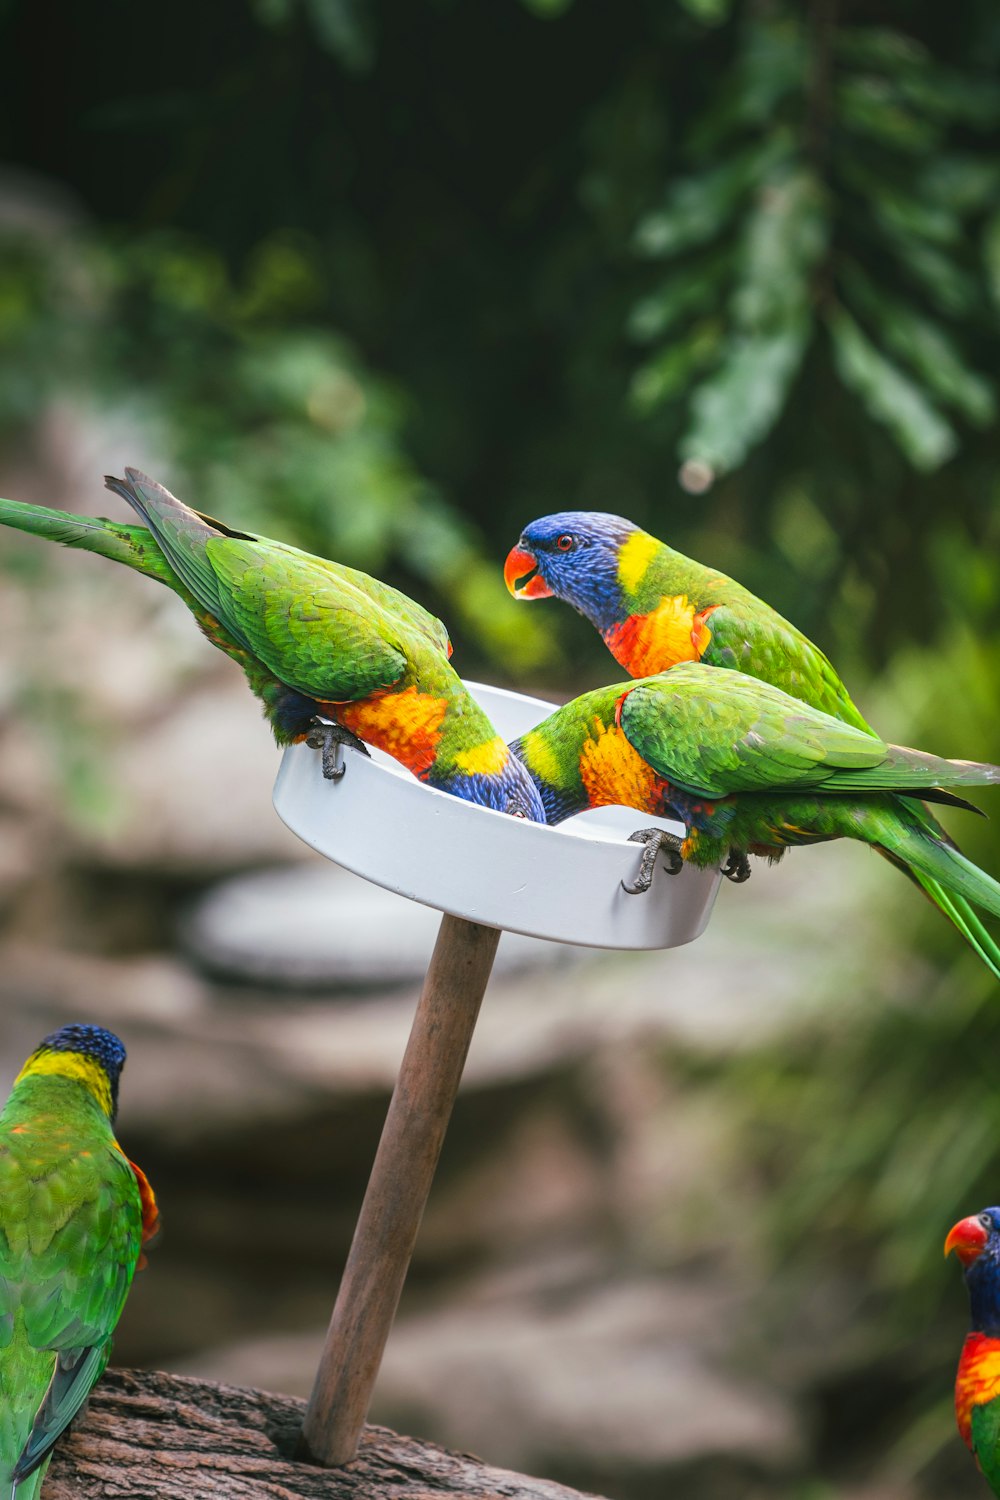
[[151, 1436]]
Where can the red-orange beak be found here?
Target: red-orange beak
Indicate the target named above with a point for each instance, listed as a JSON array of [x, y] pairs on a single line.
[[967, 1239], [524, 565]]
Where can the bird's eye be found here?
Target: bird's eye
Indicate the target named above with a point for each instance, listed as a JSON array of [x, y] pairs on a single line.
[[986, 1221], [518, 812], [564, 542]]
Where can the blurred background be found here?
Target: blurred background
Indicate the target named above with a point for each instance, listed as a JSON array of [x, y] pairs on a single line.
[[388, 278]]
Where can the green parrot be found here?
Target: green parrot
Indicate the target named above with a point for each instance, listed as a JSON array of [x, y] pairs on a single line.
[[748, 770], [334, 656], [656, 608], [74, 1215]]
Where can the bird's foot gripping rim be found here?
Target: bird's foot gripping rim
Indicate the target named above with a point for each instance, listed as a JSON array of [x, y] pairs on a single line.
[[329, 738], [737, 867], [655, 840]]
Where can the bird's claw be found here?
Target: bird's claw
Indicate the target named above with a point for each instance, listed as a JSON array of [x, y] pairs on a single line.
[[656, 840], [329, 738], [737, 867]]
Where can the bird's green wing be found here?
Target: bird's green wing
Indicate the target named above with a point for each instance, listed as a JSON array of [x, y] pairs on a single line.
[[986, 1441], [322, 637], [69, 1245], [300, 615], [748, 636], [183, 534], [395, 602], [713, 732]]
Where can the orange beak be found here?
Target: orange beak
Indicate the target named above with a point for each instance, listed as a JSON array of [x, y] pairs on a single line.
[[967, 1239], [518, 565]]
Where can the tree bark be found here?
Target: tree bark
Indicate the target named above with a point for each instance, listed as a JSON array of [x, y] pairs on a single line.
[[150, 1436]]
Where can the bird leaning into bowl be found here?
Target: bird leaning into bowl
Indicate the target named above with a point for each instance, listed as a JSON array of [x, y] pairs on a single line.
[[74, 1216], [747, 770], [656, 609], [976, 1242], [335, 656]]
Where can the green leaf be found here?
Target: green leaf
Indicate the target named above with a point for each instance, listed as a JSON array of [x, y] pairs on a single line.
[[343, 28], [962, 183], [785, 235], [890, 396], [740, 402], [870, 107], [547, 9], [926, 346], [698, 207], [991, 256], [770, 66], [900, 212], [709, 12], [961, 98], [948, 284], [669, 371], [684, 292], [879, 47]]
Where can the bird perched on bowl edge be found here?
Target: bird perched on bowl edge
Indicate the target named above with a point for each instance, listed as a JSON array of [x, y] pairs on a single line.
[[334, 655]]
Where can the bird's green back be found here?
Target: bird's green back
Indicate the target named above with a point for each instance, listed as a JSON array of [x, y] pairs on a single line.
[[70, 1234]]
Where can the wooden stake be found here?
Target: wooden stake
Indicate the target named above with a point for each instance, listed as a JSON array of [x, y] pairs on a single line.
[[398, 1188]]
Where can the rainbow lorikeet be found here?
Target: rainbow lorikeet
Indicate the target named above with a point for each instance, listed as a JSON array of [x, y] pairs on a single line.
[[74, 1215], [747, 770], [317, 642], [656, 608], [976, 1242]]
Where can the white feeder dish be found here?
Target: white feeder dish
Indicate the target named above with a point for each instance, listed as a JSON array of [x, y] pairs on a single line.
[[562, 883]]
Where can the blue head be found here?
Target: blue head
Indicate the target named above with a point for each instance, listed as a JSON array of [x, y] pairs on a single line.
[[508, 789], [573, 555], [87, 1054], [976, 1242]]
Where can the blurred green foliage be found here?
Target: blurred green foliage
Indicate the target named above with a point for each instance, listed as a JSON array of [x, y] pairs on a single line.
[[402, 275], [269, 417]]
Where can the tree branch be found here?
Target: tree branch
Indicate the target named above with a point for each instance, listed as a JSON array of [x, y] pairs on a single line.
[[150, 1436]]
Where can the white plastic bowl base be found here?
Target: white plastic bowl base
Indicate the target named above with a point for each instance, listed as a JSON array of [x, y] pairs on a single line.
[[559, 883]]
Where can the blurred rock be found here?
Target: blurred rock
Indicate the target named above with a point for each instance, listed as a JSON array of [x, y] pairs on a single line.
[[593, 1380], [19, 844], [194, 788], [318, 925], [618, 1374]]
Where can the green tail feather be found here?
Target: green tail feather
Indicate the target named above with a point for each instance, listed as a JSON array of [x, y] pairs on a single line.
[[959, 912], [955, 907], [135, 546], [956, 873], [180, 531], [911, 839]]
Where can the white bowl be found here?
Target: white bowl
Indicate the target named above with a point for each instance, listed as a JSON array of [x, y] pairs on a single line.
[[561, 883]]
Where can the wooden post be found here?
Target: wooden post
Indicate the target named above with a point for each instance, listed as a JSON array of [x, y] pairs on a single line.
[[398, 1188]]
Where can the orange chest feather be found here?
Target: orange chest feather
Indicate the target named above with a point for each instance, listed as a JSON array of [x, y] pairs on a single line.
[[615, 774], [978, 1379], [406, 725], [672, 632]]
